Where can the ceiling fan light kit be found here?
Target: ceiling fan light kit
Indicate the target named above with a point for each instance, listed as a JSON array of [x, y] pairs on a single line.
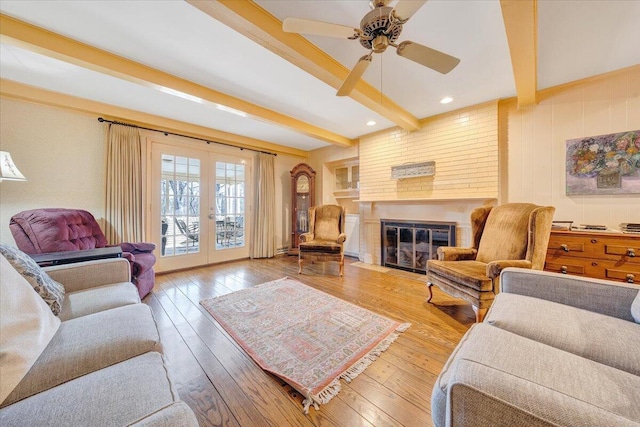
[[379, 29]]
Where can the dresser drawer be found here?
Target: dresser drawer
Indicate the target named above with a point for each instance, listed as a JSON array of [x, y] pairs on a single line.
[[571, 267], [599, 269], [580, 245]]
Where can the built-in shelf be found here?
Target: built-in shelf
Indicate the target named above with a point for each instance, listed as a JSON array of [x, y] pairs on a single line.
[[346, 178]]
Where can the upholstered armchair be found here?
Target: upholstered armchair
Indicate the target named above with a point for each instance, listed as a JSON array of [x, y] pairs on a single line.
[[510, 235], [325, 239], [57, 229]]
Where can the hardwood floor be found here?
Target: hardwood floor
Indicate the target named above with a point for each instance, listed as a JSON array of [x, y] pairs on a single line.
[[225, 387]]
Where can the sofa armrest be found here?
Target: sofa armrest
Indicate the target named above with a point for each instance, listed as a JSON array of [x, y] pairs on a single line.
[[341, 238], [494, 268], [89, 274], [600, 296], [452, 253]]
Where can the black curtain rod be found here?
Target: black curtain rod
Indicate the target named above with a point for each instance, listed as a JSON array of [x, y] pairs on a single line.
[[101, 120]]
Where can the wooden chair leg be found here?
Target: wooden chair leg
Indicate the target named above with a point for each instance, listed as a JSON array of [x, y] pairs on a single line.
[[299, 265], [342, 268], [480, 313], [429, 285]]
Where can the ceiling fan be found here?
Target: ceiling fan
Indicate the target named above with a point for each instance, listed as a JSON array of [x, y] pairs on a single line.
[[379, 29]]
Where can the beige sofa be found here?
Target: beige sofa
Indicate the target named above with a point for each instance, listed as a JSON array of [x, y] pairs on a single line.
[[553, 350], [103, 365]]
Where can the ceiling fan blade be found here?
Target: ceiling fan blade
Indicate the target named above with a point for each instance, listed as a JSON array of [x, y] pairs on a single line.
[[306, 26], [434, 59], [354, 75], [405, 9]]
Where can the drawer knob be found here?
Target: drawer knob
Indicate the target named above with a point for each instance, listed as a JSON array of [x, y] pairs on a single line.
[[594, 264], [630, 278], [563, 270], [631, 252], [564, 247]]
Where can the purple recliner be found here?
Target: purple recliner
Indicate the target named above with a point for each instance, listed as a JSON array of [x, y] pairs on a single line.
[[57, 229]]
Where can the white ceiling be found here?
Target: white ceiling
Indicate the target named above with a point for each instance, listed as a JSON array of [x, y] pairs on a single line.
[[576, 39]]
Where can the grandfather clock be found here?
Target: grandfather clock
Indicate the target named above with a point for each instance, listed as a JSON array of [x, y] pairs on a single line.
[[303, 186]]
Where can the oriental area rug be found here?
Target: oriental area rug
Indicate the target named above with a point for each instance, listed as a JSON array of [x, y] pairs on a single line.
[[308, 338]]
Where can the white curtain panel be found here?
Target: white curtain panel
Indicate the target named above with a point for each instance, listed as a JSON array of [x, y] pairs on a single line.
[[264, 239], [124, 219]]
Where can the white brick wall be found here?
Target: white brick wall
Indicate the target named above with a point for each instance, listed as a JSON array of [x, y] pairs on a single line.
[[464, 145]]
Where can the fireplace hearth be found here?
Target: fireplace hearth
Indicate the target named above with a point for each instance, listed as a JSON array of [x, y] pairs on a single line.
[[408, 245]]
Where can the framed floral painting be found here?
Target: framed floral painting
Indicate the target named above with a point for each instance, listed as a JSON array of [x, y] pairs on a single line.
[[604, 164]]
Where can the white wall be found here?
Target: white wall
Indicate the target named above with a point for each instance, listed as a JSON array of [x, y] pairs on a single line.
[[537, 145], [60, 152]]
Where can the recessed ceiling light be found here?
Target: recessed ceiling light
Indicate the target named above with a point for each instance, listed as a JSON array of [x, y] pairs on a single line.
[[371, 123], [446, 100]]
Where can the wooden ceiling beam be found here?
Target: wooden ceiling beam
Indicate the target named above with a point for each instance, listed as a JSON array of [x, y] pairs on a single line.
[[27, 36], [15, 90], [251, 20], [521, 24]]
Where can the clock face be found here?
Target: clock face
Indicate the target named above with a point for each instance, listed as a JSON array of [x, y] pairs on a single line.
[[302, 185]]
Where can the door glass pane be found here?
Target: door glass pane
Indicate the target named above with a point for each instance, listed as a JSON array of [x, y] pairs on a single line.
[[405, 258], [355, 176], [342, 178], [391, 245], [180, 205], [422, 248], [230, 202]]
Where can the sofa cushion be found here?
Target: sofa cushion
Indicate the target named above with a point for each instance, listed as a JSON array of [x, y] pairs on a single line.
[[118, 395], [56, 230], [176, 414], [582, 332], [471, 273], [506, 233], [327, 222], [544, 382], [100, 298], [77, 349], [26, 327], [317, 245], [509, 400], [51, 291]]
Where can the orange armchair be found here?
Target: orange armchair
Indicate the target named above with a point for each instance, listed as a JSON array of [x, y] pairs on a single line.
[[510, 235], [325, 239]]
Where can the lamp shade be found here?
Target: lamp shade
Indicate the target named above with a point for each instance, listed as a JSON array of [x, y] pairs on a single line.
[[8, 170]]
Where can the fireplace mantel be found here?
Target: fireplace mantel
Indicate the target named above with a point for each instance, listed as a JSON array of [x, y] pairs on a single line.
[[422, 200]]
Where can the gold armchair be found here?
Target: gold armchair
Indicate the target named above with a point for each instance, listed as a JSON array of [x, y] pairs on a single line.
[[510, 235], [325, 239]]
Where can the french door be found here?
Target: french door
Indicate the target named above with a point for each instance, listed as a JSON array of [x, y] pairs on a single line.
[[199, 204]]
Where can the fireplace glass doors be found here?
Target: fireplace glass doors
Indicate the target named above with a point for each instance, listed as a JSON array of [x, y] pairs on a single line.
[[408, 245]]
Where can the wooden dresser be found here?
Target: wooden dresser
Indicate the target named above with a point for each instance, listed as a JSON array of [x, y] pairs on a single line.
[[609, 256]]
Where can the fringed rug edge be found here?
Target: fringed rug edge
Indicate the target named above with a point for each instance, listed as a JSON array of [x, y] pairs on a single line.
[[332, 390]]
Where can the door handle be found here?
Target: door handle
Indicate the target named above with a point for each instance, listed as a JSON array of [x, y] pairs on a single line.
[[212, 216]]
